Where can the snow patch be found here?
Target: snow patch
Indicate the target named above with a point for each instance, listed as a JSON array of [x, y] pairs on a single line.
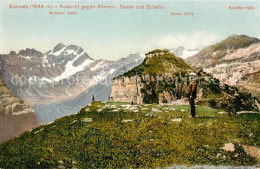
[[183, 52], [34, 79], [188, 53], [57, 53], [45, 79], [97, 66], [71, 70], [112, 71], [98, 78], [45, 61], [25, 57], [142, 55]]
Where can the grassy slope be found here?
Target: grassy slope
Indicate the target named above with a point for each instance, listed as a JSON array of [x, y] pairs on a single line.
[[145, 142]]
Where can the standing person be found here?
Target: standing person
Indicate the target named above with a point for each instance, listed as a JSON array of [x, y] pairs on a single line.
[[191, 93], [93, 99]]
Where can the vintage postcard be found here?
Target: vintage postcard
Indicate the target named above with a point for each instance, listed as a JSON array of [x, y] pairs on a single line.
[[130, 84]]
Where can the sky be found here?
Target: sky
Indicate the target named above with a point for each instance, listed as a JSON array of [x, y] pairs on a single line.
[[115, 33]]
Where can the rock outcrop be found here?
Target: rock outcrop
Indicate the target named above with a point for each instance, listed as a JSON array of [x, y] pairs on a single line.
[[225, 97], [127, 90], [16, 117]]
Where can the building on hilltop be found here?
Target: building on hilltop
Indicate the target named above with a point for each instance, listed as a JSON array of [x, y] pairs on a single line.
[[156, 52]]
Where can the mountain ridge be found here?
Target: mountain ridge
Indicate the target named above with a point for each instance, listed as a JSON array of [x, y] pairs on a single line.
[[231, 62], [207, 57], [59, 75]]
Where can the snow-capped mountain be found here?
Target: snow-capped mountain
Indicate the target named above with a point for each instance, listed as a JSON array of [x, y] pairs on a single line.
[[183, 52], [60, 75]]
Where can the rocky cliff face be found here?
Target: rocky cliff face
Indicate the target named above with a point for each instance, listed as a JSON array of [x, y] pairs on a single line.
[[16, 117], [148, 89], [127, 90], [234, 61]]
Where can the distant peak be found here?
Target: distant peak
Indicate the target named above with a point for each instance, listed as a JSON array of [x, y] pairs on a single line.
[[181, 47], [13, 53], [60, 44], [238, 36], [233, 35], [29, 52], [58, 47], [73, 47]]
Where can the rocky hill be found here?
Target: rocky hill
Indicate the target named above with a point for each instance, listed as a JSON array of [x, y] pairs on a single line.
[[141, 84], [16, 116], [234, 61], [212, 55], [163, 78], [49, 81], [224, 97]]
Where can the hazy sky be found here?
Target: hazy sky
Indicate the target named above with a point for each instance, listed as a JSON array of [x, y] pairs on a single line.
[[115, 33]]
